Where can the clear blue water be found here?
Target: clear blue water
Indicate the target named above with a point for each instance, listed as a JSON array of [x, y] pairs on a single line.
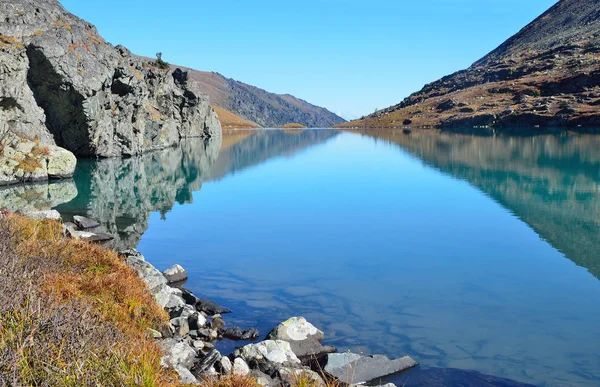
[[477, 253]]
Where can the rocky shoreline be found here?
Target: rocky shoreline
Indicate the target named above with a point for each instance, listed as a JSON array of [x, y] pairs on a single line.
[[293, 349]]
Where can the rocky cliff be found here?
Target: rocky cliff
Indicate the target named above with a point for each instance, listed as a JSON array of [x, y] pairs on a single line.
[[546, 75], [62, 84]]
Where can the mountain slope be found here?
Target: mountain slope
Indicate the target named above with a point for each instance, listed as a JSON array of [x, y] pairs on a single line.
[[259, 106], [233, 121], [548, 74]]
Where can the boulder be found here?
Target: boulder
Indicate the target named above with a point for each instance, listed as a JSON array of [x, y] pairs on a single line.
[[240, 367], [272, 351], [225, 366], [180, 357], [61, 163], [304, 338], [180, 326], [351, 368], [174, 274], [196, 321], [210, 307], [206, 364], [85, 223], [236, 333], [90, 236], [46, 214], [154, 279], [172, 303]]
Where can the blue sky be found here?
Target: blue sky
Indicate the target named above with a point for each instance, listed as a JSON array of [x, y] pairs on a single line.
[[347, 55]]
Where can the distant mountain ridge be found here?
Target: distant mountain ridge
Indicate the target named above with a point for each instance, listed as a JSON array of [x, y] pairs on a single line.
[[259, 106], [548, 74]]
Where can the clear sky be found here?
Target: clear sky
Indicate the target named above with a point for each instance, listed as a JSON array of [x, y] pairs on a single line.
[[350, 56]]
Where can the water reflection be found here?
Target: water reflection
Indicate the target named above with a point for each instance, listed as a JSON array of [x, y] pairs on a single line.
[[551, 182], [122, 193]]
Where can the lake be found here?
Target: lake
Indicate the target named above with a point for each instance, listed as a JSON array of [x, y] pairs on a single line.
[[470, 252]]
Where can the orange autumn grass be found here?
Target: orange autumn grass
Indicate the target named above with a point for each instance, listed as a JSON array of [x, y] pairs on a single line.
[[73, 313]]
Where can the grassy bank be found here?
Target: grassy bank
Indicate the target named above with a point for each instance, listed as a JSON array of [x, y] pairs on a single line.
[[72, 313]]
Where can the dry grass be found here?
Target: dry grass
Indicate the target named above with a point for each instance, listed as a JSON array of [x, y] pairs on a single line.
[[155, 113], [62, 24], [72, 313], [293, 126], [10, 42], [230, 380], [95, 39], [304, 379], [29, 165], [232, 121], [37, 33]]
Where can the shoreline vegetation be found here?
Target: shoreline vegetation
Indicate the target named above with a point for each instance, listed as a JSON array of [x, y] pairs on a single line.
[[74, 313]]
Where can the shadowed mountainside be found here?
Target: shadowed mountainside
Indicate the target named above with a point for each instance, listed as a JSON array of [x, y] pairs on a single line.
[[550, 182], [257, 105], [546, 75]]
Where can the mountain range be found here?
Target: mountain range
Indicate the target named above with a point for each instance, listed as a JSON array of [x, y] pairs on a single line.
[[547, 75], [257, 105]]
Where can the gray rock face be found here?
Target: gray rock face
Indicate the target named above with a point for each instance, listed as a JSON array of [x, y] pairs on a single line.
[[62, 82], [304, 338], [351, 368]]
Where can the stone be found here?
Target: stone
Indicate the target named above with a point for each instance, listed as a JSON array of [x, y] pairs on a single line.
[[178, 356], [210, 307], [240, 367], [236, 333], [225, 366], [198, 344], [274, 351], [155, 334], [304, 338], [180, 326], [205, 365], [217, 323], [197, 321], [61, 163], [152, 276], [351, 368], [91, 236], [189, 297], [172, 303], [85, 223], [46, 214], [174, 274], [290, 376]]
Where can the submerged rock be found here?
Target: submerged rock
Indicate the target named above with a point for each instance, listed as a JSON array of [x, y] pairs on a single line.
[[357, 369], [304, 338]]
